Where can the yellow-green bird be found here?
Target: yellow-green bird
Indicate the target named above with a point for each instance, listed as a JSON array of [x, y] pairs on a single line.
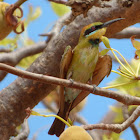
[[79, 65]]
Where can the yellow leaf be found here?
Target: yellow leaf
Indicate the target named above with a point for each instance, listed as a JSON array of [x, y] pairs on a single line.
[[105, 40], [138, 53], [60, 9], [136, 44], [104, 52]]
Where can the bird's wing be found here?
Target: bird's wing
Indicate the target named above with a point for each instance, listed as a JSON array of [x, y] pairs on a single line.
[[65, 61], [64, 66], [102, 69]]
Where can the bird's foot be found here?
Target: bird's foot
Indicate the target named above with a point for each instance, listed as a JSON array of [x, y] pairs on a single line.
[[94, 87], [71, 81]]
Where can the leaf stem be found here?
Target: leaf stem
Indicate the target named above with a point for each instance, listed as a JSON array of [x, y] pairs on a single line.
[[56, 116], [122, 84], [122, 74], [122, 63], [137, 72], [124, 60]]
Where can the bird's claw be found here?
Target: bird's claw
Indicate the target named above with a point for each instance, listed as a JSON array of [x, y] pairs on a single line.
[[71, 81], [94, 88]]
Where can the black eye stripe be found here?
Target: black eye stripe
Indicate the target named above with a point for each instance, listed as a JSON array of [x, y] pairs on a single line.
[[93, 28], [88, 31]]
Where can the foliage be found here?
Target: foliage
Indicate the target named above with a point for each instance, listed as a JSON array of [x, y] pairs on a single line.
[[59, 9]]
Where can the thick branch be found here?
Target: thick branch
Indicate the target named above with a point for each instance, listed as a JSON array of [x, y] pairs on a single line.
[[127, 33], [31, 92]]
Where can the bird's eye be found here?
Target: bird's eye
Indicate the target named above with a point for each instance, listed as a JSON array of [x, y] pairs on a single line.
[[88, 31]]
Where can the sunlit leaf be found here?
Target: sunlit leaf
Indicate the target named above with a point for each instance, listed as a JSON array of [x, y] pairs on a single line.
[[60, 9], [119, 115], [133, 88], [36, 14], [136, 44], [138, 53], [26, 62], [112, 136], [104, 52], [32, 15], [105, 40]]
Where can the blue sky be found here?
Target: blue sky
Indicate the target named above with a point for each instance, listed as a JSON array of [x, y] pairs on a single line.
[[97, 104]]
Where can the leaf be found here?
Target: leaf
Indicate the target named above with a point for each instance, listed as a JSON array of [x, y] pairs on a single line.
[[133, 88], [59, 9], [7, 41], [104, 52], [136, 44], [112, 136], [137, 54], [36, 13], [105, 40], [119, 115], [32, 15], [26, 62]]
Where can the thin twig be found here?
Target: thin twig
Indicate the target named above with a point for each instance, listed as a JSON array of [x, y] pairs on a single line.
[[57, 27], [123, 98], [19, 3], [117, 128], [24, 133], [14, 57], [59, 1], [5, 50], [132, 126]]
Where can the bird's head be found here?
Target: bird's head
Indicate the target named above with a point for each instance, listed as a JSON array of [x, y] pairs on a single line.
[[96, 30]]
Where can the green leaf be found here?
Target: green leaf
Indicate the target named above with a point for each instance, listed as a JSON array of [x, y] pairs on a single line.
[[138, 53], [133, 88], [32, 15], [136, 44], [36, 14], [104, 52], [112, 136], [119, 115], [26, 62], [60, 9], [105, 40]]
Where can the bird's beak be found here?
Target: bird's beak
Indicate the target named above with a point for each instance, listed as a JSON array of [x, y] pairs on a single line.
[[110, 22]]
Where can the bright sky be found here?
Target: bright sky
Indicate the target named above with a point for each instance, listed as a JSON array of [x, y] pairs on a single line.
[[97, 104]]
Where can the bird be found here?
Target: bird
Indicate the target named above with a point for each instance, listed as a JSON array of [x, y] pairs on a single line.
[[82, 64]]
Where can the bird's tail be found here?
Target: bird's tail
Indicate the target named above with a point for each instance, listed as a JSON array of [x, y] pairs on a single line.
[[58, 126]]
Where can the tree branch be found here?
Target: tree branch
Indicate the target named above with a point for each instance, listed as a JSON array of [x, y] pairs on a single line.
[[127, 33], [5, 50], [117, 128], [77, 117], [23, 135], [59, 1], [123, 98], [13, 58], [132, 126]]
